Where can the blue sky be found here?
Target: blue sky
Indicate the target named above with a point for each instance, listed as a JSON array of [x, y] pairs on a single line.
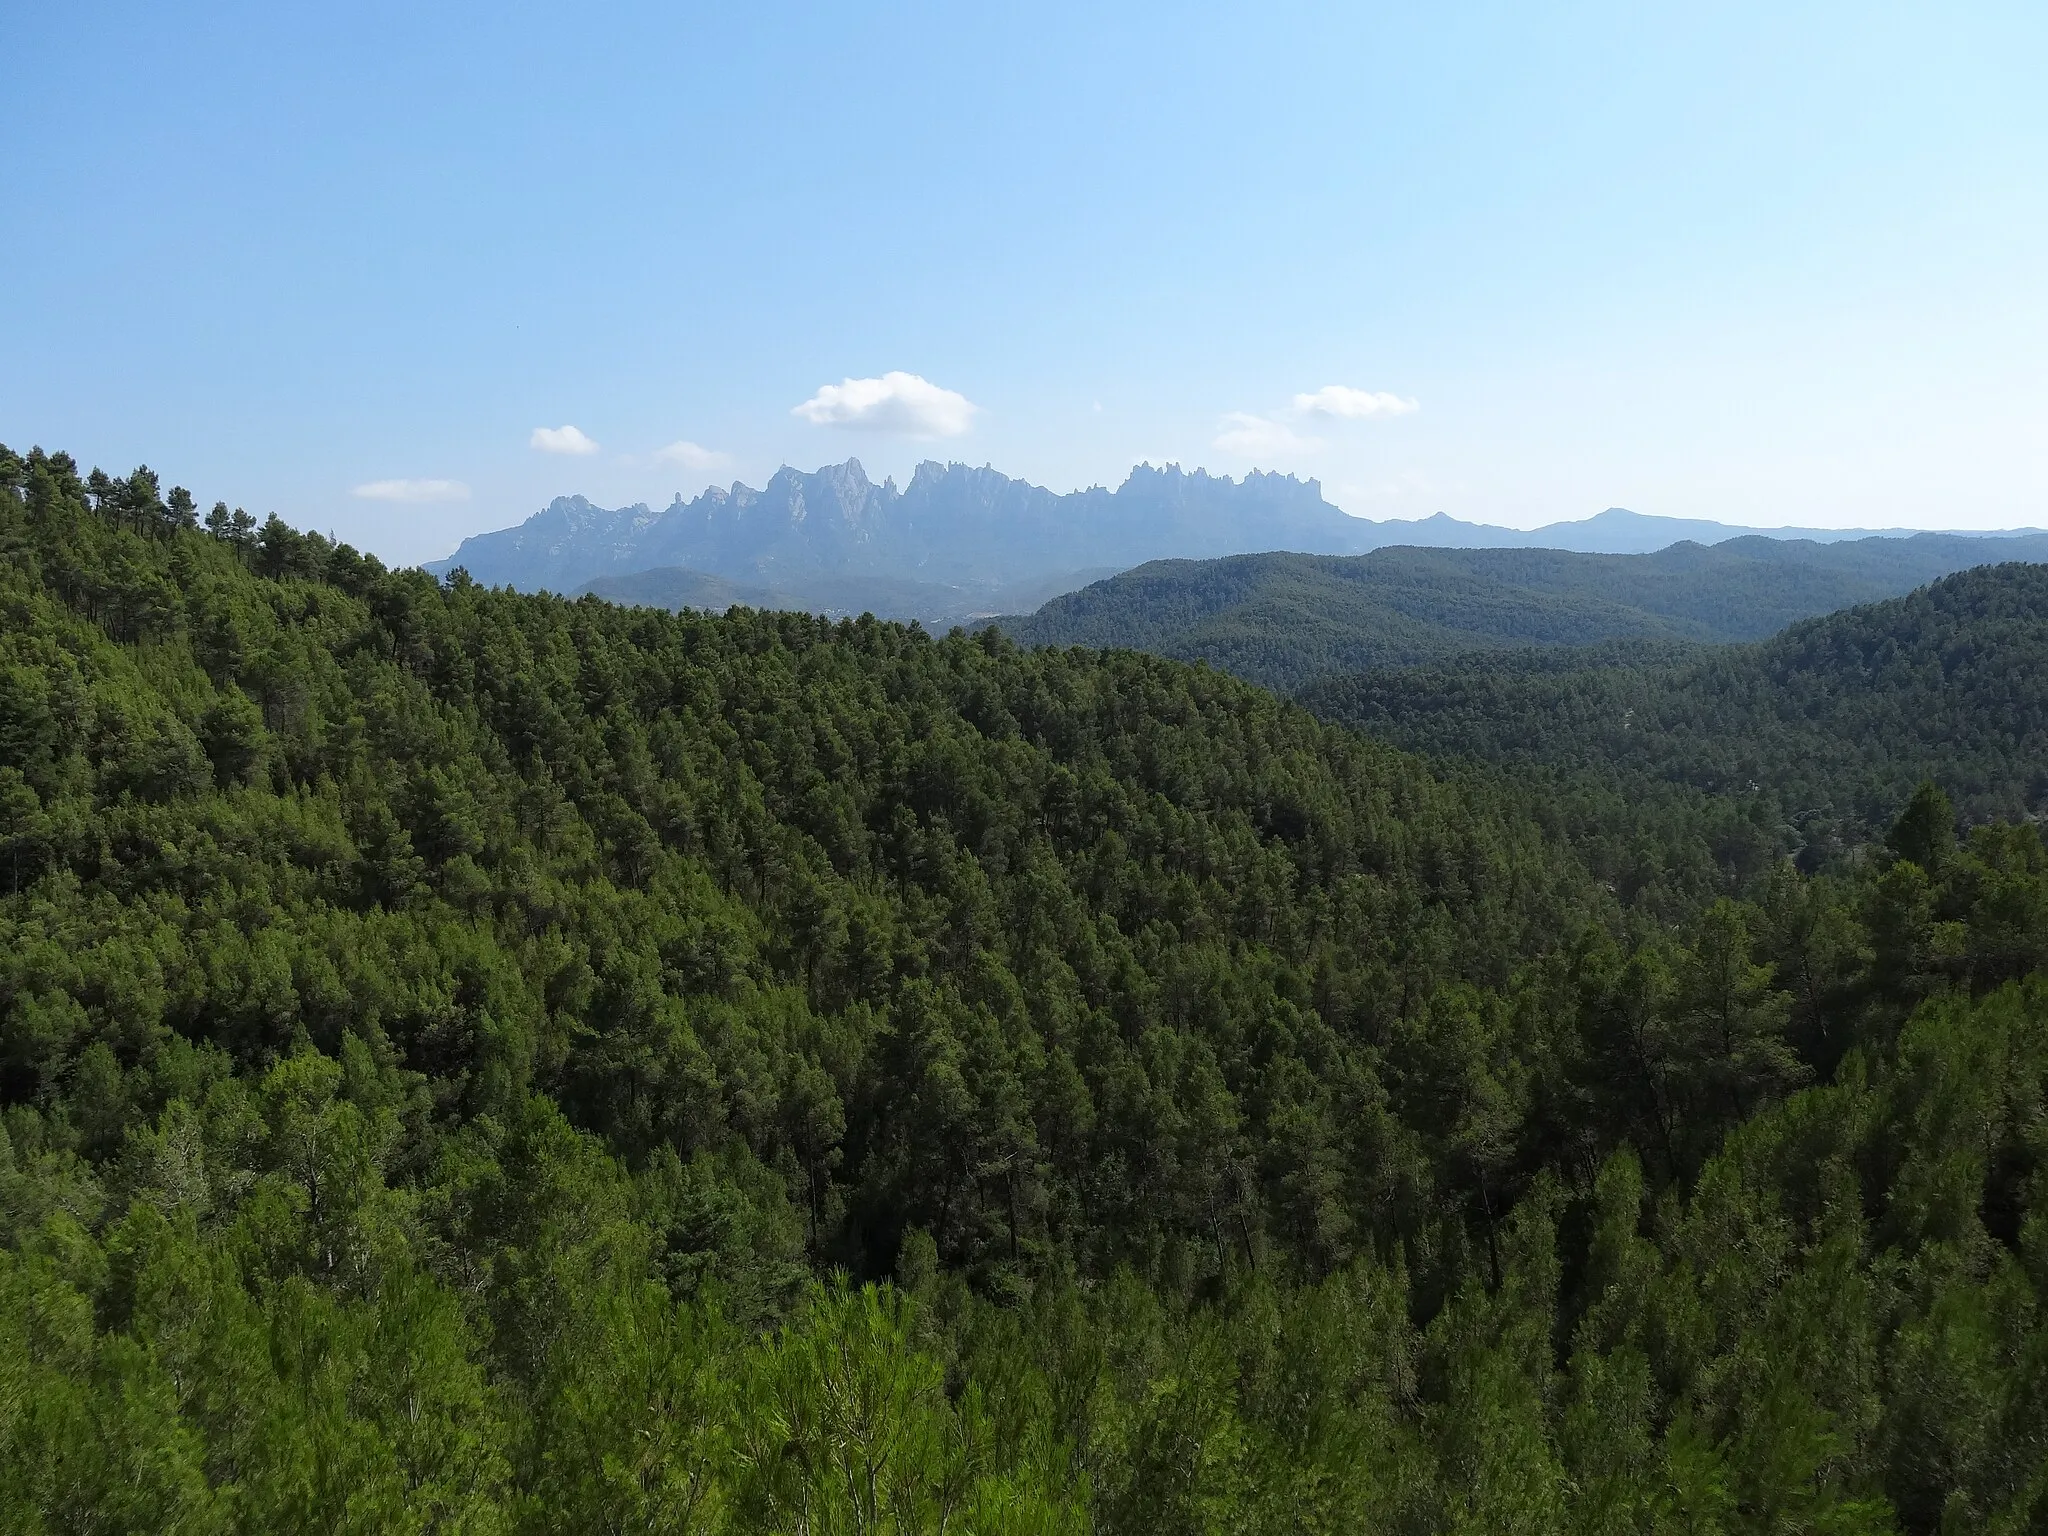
[[1771, 264]]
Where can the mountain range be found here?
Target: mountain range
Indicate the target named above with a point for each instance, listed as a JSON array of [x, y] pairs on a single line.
[[956, 531], [958, 542]]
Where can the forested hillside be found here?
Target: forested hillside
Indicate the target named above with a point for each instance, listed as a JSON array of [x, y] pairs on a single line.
[[836, 596], [1285, 620], [1829, 725], [481, 1061]]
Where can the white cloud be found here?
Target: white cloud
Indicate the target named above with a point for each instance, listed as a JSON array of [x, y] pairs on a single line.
[[561, 440], [896, 402], [692, 455], [1254, 437], [1349, 404], [413, 490]]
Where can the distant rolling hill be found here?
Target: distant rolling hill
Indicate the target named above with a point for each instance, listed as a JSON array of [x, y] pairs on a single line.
[[1834, 720], [1284, 619]]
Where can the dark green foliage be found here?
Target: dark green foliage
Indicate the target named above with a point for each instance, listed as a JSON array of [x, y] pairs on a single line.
[[1925, 832], [1688, 774], [836, 593], [1286, 620], [476, 1061]]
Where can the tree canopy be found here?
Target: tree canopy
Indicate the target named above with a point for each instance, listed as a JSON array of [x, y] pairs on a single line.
[[483, 1061], [1289, 620]]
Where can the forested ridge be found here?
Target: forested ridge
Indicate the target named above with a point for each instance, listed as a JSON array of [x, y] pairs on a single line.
[[836, 596], [1819, 732], [1289, 620], [484, 1061]]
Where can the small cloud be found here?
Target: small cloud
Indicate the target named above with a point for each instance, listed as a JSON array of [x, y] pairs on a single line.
[[692, 455], [412, 490], [896, 402], [1349, 404], [561, 440], [1254, 437]]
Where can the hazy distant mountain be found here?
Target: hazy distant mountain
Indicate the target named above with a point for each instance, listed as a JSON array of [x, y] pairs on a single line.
[[952, 526], [980, 532], [1618, 531]]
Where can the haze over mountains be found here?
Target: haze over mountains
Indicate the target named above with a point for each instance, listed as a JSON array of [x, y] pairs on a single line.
[[955, 531], [959, 542]]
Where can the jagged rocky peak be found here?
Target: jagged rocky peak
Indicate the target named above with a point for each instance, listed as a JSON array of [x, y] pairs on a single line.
[[849, 481], [932, 482], [581, 512], [1171, 478], [952, 522], [1272, 479]]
